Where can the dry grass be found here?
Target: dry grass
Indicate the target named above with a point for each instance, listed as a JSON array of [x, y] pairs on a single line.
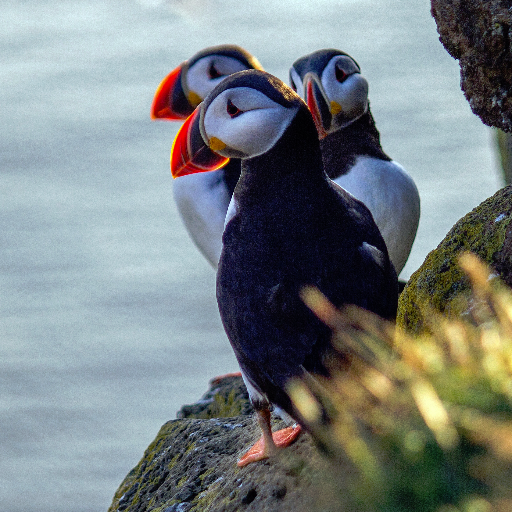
[[425, 422]]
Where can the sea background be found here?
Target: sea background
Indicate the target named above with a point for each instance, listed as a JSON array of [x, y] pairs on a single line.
[[108, 317]]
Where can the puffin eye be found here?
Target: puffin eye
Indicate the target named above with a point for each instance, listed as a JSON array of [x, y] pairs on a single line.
[[340, 74], [292, 85], [213, 72], [232, 109]]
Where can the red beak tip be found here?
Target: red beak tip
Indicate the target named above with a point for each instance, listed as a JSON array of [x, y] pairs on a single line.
[[161, 108], [165, 114], [189, 153]]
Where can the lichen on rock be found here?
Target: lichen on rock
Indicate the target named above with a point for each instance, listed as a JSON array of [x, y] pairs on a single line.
[[439, 283]]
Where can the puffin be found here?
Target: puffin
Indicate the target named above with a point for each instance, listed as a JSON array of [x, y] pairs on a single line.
[[331, 83], [289, 227], [202, 200]]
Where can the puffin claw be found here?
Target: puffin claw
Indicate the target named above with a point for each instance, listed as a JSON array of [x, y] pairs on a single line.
[[286, 436], [258, 451], [261, 450]]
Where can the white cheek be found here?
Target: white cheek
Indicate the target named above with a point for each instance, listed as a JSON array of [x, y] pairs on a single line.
[[352, 94], [255, 132], [198, 79], [204, 85], [298, 82], [252, 133]]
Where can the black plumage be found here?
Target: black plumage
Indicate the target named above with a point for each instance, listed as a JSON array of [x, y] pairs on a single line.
[[340, 149], [293, 228], [231, 174]]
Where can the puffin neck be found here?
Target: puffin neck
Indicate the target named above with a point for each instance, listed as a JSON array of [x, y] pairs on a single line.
[[295, 158], [231, 174], [340, 148]]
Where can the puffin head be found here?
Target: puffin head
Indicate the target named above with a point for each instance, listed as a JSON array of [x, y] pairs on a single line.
[[187, 85], [331, 83], [243, 117]]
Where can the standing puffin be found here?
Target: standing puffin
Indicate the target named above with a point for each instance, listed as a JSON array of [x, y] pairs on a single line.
[[337, 95], [290, 227], [202, 200]]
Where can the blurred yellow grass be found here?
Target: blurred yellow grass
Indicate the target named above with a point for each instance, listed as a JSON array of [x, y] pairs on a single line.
[[425, 421]]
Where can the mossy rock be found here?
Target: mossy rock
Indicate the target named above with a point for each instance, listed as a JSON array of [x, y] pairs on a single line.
[[191, 467], [191, 464], [439, 284], [227, 397]]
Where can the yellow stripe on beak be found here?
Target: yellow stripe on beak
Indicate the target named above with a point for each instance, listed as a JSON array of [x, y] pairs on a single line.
[[216, 144], [335, 108], [193, 98]]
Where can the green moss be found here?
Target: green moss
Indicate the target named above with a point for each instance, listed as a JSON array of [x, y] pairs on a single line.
[[227, 407], [138, 476], [439, 284], [162, 507], [182, 481], [223, 406], [203, 500], [174, 461], [190, 447], [208, 472]]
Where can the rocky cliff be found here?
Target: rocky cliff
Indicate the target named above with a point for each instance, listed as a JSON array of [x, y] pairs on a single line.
[[478, 34]]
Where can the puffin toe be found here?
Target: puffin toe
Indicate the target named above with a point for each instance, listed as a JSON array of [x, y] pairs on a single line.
[[262, 449]]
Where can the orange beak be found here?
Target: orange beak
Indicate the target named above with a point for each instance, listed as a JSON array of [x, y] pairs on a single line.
[[170, 101], [190, 154]]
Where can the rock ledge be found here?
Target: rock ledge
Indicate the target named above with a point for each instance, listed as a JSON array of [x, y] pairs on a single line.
[[191, 465]]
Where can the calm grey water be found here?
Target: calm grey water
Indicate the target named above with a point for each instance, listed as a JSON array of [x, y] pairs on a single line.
[[108, 318]]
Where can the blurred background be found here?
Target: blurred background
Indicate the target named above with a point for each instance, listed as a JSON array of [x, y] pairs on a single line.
[[108, 315]]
